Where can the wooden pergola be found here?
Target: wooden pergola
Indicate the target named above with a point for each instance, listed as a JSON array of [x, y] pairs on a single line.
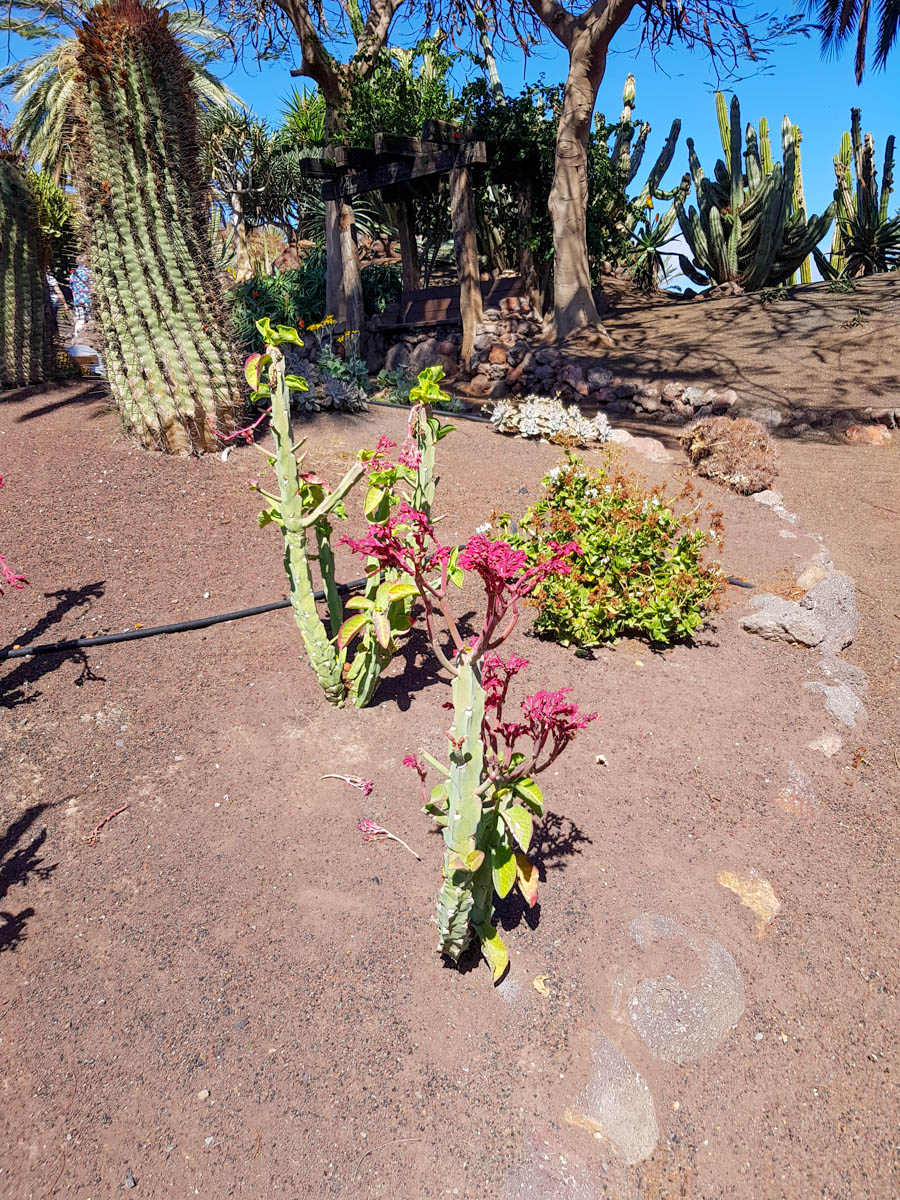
[[397, 167]]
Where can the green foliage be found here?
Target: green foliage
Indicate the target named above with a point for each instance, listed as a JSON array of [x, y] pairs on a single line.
[[750, 227], [25, 337], [298, 295], [406, 89], [58, 221], [397, 388], [375, 621], [641, 571]]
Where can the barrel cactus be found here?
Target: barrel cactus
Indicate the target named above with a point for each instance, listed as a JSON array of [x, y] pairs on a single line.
[[26, 340], [169, 353], [751, 227]]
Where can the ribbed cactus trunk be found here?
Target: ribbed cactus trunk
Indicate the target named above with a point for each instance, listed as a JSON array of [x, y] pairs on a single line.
[[169, 354], [26, 340]]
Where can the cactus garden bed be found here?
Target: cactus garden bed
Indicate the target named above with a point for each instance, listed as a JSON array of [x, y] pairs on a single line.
[[227, 989]]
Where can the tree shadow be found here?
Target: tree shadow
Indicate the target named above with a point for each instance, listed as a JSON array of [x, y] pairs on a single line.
[[31, 670], [555, 839], [420, 667], [91, 392], [19, 863]]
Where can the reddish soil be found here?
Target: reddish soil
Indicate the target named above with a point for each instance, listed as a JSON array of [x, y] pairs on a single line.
[[231, 933]]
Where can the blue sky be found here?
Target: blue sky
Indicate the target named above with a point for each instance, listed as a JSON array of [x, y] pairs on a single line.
[[816, 94]]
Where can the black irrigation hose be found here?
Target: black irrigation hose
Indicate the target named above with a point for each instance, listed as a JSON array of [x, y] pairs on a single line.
[[443, 412], [132, 635]]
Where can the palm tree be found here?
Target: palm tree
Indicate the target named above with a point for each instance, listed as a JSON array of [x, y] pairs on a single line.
[[43, 83], [840, 19]]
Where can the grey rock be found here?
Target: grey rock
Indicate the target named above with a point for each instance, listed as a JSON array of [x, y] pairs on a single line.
[[617, 1105], [648, 402], [833, 601], [693, 395], [769, 498], [767, 415], [837, 671], [599, 377], [672, 391], [811, 575], [841, 701], [782, 620], [620, 436], [203, 1094], [130, 1181]]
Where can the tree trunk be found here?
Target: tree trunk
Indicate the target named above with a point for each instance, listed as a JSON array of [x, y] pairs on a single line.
[[334, 266], [243, 268], [409, 249], [354, 313], [573, 301], [462, 215]]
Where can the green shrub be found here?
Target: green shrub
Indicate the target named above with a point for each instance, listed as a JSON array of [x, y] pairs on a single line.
[[396, 386], [297, 296], [641, 571]]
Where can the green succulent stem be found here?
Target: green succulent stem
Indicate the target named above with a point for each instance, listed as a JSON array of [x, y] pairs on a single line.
[[26, 340]]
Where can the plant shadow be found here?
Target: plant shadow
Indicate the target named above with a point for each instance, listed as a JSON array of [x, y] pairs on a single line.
[[556, 838], [420, 667], [18, 863], [30, 670]]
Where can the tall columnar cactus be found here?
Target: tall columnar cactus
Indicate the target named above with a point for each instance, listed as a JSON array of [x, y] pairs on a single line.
[[26, 340], [749, 228], [866, 237], [169, 353], [628, 153]]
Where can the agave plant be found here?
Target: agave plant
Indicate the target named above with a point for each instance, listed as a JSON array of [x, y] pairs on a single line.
[[43, 84]]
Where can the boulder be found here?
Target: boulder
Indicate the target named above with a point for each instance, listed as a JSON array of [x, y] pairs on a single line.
[[782, 620], [397, 357], [833, 604], [497, 355], [598, 377], [868, 435]]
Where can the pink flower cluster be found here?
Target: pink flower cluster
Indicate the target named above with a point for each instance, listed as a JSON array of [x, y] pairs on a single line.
[[551, 720], [405, 541]]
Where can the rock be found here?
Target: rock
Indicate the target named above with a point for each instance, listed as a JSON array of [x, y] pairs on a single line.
[[397, 357], [812, 575], [651, 448], [514, 375], [448, 348], [648, 403], [754, 893], [203, 1095], [683, 410], [694, 997], [833, 603], [616, 1105], [497, 355], [841, 701], [783, 621], [621, 437], [598, 377], [828, 744], [624, 389], [574, 377], [727, 397], [130, 1181], [672, 392], [769, 498], [602, 396], [428, 354], [868, 435], [693, 395], [766, 414], [836, 670]]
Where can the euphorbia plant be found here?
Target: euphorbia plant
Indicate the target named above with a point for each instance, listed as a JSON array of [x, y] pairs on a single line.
[[304, 503], [487, 798]]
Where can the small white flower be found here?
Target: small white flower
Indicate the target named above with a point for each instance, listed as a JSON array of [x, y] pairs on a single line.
[[483, 528], [607, 487]]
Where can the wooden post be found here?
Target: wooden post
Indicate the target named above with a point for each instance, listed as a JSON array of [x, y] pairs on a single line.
[[353, 308], [527, 273], [409, 250], [462, 214], [334, 268]]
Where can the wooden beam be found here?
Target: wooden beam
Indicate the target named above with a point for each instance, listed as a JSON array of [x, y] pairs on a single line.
[[462, 215], [319, 168], [439, 163], [446, 131]]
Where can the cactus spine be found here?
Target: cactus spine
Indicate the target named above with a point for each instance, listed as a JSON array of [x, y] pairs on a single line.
[[26, 341], [748, 227], [169, 354]]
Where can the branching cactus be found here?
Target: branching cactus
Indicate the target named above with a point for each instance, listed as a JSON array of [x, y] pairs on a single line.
[[168, 349], [25, 332], [486, 799], [380, 617], [750, 226]]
